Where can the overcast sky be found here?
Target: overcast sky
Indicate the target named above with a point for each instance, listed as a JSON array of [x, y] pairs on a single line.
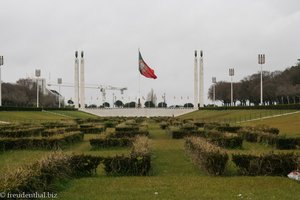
[[44, 34]]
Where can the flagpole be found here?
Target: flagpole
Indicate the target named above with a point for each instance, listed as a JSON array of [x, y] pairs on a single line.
[[139, 79]]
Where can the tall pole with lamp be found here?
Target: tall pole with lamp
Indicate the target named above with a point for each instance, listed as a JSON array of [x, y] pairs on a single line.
[[261, 61], [231, 74], [214, 81], [37, 74], [59, 82]]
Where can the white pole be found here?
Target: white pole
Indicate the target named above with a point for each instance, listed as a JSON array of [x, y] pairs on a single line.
[[261, 61], [37, 92], [82, 84], [1, 63], [231, 92], [195, 81], [0, 87], [214, 95], [76, 81], [201, 81], [261, 86], [59, 96]]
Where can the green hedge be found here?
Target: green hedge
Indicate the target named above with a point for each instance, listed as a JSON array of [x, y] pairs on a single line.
[[208, 156], [179, 134], [231, 129], [163, 125], [55, 142], [42, 175], [266, 165], [127, 166], [110, 142], [22, 132], [137, 164], [91, 129], [287, 143]]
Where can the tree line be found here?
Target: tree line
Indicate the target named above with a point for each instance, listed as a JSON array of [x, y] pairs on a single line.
[[279, 87], [23, 93]]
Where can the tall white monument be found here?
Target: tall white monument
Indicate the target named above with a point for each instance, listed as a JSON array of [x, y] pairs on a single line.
[[82, 85], [201, 80], [196, 100], [76, 81]]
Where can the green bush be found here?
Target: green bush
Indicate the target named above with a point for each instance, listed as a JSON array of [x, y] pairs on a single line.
[[137, 164], [163, 125], [178, 132], [22, 132], [266, 165], [231, 129], [206, 155], [40, 176], [54, 142], [199, 124], [91, 128], [127, 166], [249, 136], [110, 142], [287, 143]]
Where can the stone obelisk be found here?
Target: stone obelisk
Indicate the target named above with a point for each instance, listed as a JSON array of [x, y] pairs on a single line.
[[76, 81], [195, 81], [82, 84], [201, 80]]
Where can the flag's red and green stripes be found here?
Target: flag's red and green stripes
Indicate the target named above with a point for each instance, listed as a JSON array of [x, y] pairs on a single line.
[[145, 70]]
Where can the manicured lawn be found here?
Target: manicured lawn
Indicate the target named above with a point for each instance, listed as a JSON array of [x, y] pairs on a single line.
[[231, 116], [288, 125], [40, 116], [174, 176]]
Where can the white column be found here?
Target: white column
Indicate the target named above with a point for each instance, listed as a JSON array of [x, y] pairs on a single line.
[[76, 81], [0, 88], [196, 81], [82, 84], [1, 63], [201, 81]]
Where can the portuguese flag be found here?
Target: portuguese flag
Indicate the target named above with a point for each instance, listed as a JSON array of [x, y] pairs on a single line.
[[144, 69]]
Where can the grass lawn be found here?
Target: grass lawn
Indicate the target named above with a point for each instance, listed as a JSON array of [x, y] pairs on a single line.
[[174, 176], [231, 116], [39, 116], [288, 125]]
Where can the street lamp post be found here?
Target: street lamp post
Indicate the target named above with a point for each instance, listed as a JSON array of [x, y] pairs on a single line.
[[231, 74], [59, 82], [214, 81], [261, 61], [37, 74], [1, 63]]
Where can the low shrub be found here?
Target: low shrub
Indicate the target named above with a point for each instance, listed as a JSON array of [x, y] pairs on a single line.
[[137, 164], [231, 129], [287, 143], [199, 124], [110, 142], [54, 142], [22, 132], [41, 175], [211, 126], [91, 128], [179, 133], [206, 155], [163, 125], [266, 165]]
